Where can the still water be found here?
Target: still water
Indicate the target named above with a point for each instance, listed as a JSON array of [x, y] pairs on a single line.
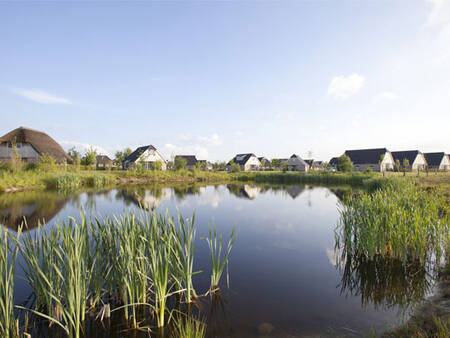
[[286, 277]]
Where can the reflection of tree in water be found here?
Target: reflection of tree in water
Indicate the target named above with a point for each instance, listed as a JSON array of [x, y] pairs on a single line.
[[219, 323], [181, 191], [146, 197], [36, 207], [385, 282], [343, 193]]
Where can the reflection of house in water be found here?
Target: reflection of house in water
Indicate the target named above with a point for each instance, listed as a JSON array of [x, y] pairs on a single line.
[[244, 191], [145, 198], [35, 208], [295, 191]]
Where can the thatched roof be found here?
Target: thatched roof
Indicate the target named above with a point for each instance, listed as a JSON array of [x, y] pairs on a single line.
[[39, 140]]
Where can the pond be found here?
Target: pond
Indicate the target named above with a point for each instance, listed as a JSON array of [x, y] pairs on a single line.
[[286, 277]]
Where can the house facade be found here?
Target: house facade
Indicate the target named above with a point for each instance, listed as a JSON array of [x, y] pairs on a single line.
[[147, 156], [103, 161], [415, 159], [265, 163], [438, 161], [378, 159], [31, 145], [247, 162], [296, 163]]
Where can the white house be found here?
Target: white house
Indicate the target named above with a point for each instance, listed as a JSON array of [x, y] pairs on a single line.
[[438, 161], [296, 163], [415, 159], [247, 162], [379, 159], [147, 156]]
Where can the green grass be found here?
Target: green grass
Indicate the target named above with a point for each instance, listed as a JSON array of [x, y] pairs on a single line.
[[189, 327]]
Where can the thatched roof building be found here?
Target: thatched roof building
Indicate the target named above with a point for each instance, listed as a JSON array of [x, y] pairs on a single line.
[[31, 144]]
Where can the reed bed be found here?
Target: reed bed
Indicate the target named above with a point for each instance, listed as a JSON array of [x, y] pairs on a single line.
[[403, 223], [8, 255], [132, 264]]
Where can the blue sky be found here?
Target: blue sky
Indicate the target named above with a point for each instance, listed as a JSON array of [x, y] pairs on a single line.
[[219, 78]]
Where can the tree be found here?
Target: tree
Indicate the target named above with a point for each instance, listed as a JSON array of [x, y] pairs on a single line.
[[16, 160], [276, 163], [157, 165], [75, 156], [120, 156], [405, 165], [397, 164], [380, 163], [344, 163], [90, 157], [234, 167], [180, 163]]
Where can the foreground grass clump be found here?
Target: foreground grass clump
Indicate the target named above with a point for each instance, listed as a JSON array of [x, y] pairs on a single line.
[[8, 254], [404, 222], [133, 264]]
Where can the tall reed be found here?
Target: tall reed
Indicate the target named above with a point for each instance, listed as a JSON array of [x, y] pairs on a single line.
[[219, 260], [8, 255]]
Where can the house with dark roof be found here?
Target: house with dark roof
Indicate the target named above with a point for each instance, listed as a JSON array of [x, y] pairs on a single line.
[[378, 159], [415, 159], [247, 162], [265, 163], [103, 161], [334, 162], [147, 156], [438, 161], [31, 145], [191, 160], [315, 165], [296, 163], [205, 165]]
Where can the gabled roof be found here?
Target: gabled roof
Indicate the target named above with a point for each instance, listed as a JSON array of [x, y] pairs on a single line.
[[334, 161], [410, 155], [133, 157], [310, 162], [298, 158], [261, 159], [241, 159], [366, 156], [191, 160], [434, 159], [39, 140], [102, 159]]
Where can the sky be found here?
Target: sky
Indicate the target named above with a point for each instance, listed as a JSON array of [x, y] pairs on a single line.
[[214, 78]]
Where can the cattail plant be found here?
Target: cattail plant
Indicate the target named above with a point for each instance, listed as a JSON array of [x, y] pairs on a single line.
[[218, 259]]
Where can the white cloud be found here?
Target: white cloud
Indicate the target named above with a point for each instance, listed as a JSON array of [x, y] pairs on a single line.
[[40, 96], [212, 140], [199, 151], [342, 87], [83, 147], [387, 96], [439, 13]]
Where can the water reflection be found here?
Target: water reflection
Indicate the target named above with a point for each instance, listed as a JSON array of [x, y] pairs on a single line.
[[246, 191], [33, 207], [146, 197], [385, 282]]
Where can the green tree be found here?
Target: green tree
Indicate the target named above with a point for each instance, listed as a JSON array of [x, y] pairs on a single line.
[[89, 157], [180, 163], [75, 156], [397, 164], [344, 163], [121, 155], [234, 167], [275, 163], [157, 165], [405, 165], [16, 160]]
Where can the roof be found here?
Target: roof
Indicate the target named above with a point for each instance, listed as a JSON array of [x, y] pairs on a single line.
[[137, 153], [102, 159], [410, 155], [310, 162], [334, 161], [366, 156], [434, 159], [40, 141], [191, 160], [296, 157], [241, 159], [261, 159]]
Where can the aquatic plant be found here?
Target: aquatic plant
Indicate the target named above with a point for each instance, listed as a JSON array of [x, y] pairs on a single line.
[[402, 223], [8, 255], [219, 260], [189, 327]]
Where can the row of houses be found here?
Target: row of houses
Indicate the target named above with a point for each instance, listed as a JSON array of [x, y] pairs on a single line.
[[381, 159], [31, 144]]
